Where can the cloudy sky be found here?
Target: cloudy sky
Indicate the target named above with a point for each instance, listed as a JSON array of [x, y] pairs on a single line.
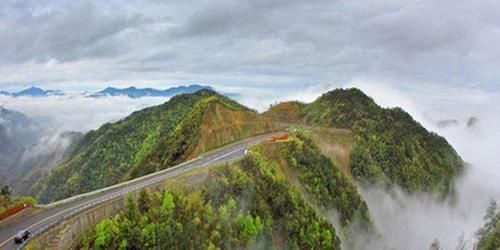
[[438, 59], [280, 44]]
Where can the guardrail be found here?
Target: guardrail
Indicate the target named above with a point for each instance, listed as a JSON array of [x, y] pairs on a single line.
[[102, 200], [84, 195], [134, 184], [116, 186]]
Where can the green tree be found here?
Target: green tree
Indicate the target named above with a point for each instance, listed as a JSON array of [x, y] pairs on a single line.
[[489, 235], [107, 233], [131, 210], [144, 201], [248, 226], [6, 192], [148, 237], [168, 204], [131, 234]]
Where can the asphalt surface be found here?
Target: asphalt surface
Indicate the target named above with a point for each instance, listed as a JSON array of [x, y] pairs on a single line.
[[50, 216]]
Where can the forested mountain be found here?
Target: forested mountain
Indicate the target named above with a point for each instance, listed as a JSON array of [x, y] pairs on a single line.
[[150, 140], [386, 145], [276, 197], [297, 193]]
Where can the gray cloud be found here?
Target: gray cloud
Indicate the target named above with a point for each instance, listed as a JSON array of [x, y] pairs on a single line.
[[72, 31], [232, 43]]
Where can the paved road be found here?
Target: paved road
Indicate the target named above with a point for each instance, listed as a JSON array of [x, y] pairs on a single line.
[[40, 221]]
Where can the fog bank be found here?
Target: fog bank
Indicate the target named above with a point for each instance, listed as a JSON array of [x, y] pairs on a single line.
[[77, 112]]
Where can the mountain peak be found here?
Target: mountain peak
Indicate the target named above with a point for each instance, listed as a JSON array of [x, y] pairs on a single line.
[[348, 94], [32, 91]]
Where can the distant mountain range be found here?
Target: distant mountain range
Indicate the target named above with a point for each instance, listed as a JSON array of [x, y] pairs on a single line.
[[33, 92], [132, 92]]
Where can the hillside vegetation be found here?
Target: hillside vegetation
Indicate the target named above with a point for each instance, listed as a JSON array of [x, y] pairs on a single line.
[[387, 146], [295, 193], [285, 112], [9, 201], [489, 234], [150, 140], [268, 200]]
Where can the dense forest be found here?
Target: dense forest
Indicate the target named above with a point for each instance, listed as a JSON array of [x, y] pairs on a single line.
[[274, 197], [150, 140], [388, 145]]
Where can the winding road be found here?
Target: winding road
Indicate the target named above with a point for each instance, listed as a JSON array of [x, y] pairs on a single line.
[[57, 212]]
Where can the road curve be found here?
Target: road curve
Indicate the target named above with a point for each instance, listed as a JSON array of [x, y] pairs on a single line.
[[56, 214]]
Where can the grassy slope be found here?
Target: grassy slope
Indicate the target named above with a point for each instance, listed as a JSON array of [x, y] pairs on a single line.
[[148, 140], [212, 122], [281, 184], [223, 124], [285, 112], [386, 146]]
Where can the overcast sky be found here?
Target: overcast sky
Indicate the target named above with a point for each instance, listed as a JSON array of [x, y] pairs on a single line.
[[280, 44]]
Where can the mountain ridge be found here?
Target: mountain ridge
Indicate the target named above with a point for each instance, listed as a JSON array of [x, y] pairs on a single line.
[[388, 145], [146, 141], [134, 92], [292, 191], [33, 91]]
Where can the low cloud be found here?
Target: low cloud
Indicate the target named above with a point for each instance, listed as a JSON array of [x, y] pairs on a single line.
[[414, 221], [76, 112]]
